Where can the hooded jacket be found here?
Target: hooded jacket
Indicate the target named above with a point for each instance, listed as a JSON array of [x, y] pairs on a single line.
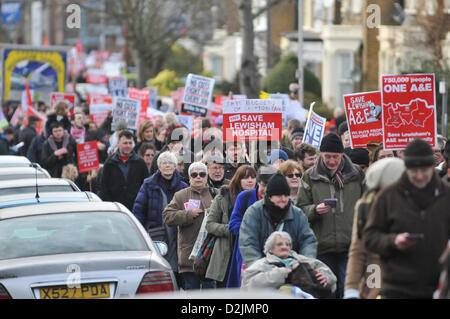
[[121, 181], [334, 229], [414, 272], [256, 227]]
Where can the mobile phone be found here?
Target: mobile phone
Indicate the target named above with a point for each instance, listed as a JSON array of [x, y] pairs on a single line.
[[332, 202], [415, 236]]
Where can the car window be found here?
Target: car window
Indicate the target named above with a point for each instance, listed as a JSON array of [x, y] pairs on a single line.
[[32, 189], [68, 233]]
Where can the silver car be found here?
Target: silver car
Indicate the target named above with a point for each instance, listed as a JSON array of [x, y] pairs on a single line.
[[11, 173], [44, 185], [14, 161], [78, 251]]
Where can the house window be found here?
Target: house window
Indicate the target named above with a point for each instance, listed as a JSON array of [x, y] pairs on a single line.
[[216, 66], [344, 67]]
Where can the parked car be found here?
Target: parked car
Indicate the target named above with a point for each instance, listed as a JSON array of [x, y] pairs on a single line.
[[11, 173], [14, 161], [78, 251], [44, 185], [25, 199]]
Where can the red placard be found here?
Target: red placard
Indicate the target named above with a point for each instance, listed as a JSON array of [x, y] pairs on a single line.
[[96, 76], [144, 97], [69, 98], [364, 112], [252, 120], [87, 157], [99, 105], [409, 110]]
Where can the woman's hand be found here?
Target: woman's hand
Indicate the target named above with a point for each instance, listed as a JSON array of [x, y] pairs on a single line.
[[321, 278]]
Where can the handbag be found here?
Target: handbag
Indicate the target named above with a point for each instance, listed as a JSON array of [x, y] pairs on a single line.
[[204, 255], [304, 277]]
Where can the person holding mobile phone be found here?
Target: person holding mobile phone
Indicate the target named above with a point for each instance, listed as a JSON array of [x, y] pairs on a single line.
[[409, 226], [327, 194]]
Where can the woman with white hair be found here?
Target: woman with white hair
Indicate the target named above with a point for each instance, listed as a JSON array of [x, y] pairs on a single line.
[[282, 267], [155, 193], [380, 174], [186, 211]]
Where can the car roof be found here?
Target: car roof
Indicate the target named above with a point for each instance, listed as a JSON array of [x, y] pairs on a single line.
[[20, 200], [57, 208], [5, 171], [32, 182], [7, 159]]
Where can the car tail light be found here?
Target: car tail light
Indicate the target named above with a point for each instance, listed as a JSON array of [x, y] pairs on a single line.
[[4, 293], [156, 282]]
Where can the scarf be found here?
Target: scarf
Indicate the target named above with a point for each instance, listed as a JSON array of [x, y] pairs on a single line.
[[276, 213], [52, 142], [286, 261], [337, 177]]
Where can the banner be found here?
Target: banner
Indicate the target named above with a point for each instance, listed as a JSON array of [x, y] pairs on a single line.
[[315, 128], [69, 98], [143, 96], [364, 118], [252, 120], [45, 69], [88, 159], [11, 12], [197, 94], [96, 76], [125, 109], [99, 106], [118, 86], [409, 110]]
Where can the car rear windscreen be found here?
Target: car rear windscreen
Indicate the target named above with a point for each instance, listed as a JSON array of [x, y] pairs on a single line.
[[32, 189], [69, 233]]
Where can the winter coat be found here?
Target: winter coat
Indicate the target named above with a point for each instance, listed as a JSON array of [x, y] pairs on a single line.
[[334, 229], [26, 136], [52, 163], [151, 199], [414, 272], [34, 153], [217, 224], [121, 181], [265, 272], [256, 227], [234, 277], [188, 225], [5, 148]]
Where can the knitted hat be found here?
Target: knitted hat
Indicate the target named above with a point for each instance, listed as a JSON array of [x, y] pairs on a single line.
[[277, 185], [360, 156], [296, 133], [418, 153], [277, 154], [332, 144]]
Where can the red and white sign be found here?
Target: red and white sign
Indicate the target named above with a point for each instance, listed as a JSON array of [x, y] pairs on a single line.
[[99, 105], [409, 110], [88, 157], [364, 118], [252, 120], [69, 98], [96, 76], [144, 97]]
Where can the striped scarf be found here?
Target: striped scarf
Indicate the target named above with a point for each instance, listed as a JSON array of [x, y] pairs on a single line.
[[337, 179]]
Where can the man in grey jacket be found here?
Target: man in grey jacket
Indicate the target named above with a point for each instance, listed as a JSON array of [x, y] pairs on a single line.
[[275, 213]]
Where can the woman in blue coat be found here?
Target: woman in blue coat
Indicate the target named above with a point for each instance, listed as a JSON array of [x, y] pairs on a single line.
[[244, 200], [155, 194]]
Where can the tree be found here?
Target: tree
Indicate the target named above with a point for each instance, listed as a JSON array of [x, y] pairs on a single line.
[[151, 28]]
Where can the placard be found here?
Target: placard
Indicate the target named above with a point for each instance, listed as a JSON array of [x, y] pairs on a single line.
[[118, 86], [315, 128], [197, 94], [99, 106], [409, 110], [88, 159], [364, 118], [126, 109]]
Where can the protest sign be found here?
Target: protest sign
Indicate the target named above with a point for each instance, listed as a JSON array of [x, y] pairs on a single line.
[[143, 96], [252, 120], [118, 86], [409, 110], [187, 121], [364, 112], [68, 98], [197, 94], [153, 98], [88, 159], [126, 109], [99, 106], [96, 76], [315, 128]]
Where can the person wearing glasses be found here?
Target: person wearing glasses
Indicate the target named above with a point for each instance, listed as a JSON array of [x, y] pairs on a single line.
[[292, 171], [216, 171], [186, 211]]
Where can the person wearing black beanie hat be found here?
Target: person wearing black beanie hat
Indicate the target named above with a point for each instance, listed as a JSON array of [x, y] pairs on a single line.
[[360, 156]]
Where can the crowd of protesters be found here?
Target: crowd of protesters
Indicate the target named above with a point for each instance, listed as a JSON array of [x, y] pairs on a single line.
[[369, 222]]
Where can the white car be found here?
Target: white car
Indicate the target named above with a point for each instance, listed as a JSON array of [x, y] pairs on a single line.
[[44, 185], [14, 161], [12, 173], [79, 251]]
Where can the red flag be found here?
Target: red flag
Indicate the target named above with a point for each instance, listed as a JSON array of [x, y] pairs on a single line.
[[29, 99], [33, 111], [79, 46]]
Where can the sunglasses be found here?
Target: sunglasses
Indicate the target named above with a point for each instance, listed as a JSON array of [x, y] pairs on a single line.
[[292, 175], [195, 175]]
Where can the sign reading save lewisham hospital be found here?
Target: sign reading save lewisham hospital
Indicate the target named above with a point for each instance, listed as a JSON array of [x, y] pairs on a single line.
[[409, 110], [252, 120]]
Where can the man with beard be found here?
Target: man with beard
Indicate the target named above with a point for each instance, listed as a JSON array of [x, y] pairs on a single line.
[[409, 226]]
